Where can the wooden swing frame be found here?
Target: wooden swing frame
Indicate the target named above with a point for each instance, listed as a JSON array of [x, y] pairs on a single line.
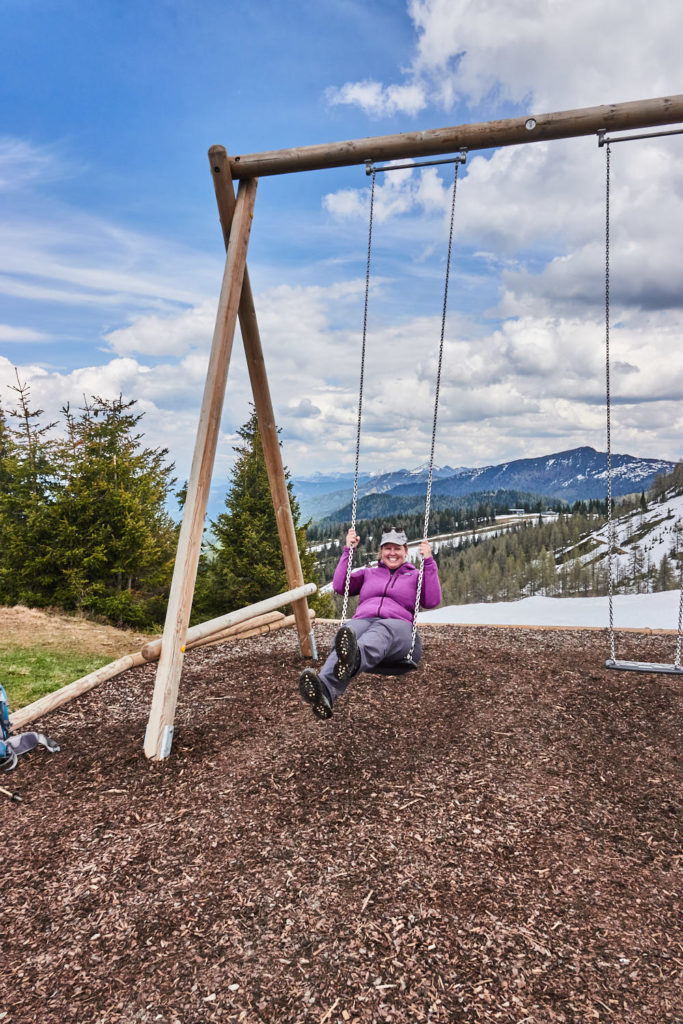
[[236, 300]]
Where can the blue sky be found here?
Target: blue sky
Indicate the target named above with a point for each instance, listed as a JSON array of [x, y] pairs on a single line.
[[111, 255]]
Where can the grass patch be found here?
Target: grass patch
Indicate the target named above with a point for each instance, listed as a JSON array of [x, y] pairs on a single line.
[[28, 673]]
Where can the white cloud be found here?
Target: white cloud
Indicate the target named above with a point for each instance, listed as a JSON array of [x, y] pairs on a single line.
[[378, 100], [397, 194], [540, 53], [347, 203], [305, 409], [533, 385], [10, 333], [166, 335]]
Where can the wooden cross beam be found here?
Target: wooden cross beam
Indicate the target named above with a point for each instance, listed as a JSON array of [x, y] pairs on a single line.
[[565, 124]]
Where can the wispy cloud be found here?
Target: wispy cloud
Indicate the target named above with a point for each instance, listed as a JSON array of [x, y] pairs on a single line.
[[22, 163], [9, 332], [82, 260]]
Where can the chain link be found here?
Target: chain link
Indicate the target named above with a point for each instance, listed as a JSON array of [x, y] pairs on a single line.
[[610, 519], [428, 501], [354, 503], [611, 532], [677, 659]]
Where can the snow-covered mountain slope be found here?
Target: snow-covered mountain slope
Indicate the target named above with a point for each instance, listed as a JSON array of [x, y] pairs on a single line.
[[642, 539], [577, 474]]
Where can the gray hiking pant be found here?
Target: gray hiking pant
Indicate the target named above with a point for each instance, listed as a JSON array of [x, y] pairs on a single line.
[[378, 640]]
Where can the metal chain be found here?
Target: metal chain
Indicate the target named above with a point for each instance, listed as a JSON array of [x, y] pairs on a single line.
[[610, 520], [428, 500], [354, 503], [677, 659], [611, 541]]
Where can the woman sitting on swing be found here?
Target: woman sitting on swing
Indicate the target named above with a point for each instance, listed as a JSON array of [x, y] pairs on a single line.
[[381, 631]]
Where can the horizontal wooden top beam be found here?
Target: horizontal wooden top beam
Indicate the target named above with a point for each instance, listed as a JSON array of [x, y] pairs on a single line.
[[514, 131]]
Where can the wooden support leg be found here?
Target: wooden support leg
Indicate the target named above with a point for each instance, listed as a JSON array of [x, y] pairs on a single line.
[[225, 197], [160, 726]]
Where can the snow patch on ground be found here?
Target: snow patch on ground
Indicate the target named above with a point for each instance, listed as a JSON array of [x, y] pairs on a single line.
[[632, 611]]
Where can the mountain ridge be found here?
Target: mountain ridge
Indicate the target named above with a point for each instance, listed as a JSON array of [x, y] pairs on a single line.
[[570, 475]]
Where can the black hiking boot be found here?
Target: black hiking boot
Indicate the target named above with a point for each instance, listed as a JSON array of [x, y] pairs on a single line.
[[348, 655], [314, 692]]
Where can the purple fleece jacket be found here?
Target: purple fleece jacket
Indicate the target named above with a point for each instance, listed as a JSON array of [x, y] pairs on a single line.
[[388, 595]]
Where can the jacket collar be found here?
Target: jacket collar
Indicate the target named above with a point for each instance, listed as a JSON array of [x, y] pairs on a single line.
[[406, 567]]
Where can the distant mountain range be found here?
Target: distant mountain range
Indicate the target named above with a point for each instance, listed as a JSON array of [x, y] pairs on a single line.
[[577, 474]]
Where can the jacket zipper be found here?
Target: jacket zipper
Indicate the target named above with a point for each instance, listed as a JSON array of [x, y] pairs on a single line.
[[390, 581], [384, 594]]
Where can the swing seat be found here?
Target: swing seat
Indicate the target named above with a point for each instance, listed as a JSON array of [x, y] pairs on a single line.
[[644, 666], [394, 668]]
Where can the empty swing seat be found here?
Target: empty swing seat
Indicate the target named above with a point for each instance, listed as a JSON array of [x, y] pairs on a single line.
[[644, 666]]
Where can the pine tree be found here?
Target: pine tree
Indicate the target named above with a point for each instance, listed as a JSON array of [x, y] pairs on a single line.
[[83, 522], [7, 466], [665, 579], [243, 563], [26, 499], [114, 540]]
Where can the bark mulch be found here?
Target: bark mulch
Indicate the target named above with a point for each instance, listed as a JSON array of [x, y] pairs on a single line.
[[494, 838]]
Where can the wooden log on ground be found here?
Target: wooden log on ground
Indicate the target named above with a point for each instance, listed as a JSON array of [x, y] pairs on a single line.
[[242, 627], [54, 700], [244, 634], [151, 651], [254, 626]]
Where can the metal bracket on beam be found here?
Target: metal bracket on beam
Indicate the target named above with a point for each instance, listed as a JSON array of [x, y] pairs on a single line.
[[603, 139], [371, 168], [314, 648]]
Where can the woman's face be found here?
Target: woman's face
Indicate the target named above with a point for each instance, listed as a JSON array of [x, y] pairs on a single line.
[[393, 555]]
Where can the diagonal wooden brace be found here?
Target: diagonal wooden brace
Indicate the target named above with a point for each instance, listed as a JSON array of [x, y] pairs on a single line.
[[225, 198], [160, 725]]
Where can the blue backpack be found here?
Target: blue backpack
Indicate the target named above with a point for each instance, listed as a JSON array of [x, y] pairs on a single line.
[[11, 748], [6, 752]]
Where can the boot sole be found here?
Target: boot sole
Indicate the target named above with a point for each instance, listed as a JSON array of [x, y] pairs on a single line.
[[310, 688], [346, 649]]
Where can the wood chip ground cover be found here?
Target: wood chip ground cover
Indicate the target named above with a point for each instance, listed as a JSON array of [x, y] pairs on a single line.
[[494, 838]]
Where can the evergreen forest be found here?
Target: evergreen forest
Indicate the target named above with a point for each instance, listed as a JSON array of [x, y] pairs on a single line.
[[83, 513], [551, 555], [85, 525]]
